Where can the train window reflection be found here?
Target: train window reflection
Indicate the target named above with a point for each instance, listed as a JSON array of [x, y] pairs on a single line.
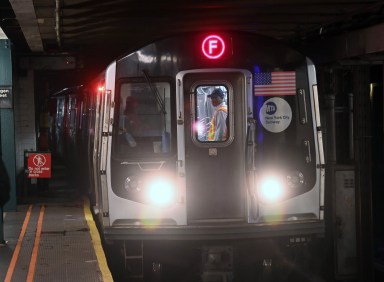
[[144, 118], [211, 124]]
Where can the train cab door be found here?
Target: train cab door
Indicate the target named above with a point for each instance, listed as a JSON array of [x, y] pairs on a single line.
[[211, 143]]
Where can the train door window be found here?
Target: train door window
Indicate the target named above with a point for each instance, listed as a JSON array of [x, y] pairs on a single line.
[[60, 112], [144, 118], [72, 113], [211, 113], [81, 115]]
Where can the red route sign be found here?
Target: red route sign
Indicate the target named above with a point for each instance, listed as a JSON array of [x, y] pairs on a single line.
[[39, 165], [213, 47]]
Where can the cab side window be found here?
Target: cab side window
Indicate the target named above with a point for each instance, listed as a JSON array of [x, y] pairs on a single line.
[[144, 118]]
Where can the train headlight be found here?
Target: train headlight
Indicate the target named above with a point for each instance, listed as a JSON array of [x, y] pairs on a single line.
[[132, 184], [161, 192], [271, 189], [295, 179]]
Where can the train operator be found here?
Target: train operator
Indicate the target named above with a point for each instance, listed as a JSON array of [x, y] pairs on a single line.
[[131, 121], [218, 128]]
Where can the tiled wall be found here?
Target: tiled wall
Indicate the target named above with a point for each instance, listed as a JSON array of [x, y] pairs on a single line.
[[25, 124]]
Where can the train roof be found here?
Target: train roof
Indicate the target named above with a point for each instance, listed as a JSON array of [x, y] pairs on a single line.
[[68, 91]]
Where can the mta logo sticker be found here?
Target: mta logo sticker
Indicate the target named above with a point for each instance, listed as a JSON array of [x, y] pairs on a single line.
[[270, 108], [275, 115]]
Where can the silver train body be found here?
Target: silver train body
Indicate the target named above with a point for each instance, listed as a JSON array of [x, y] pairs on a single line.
[[166, 180], [142, 132]]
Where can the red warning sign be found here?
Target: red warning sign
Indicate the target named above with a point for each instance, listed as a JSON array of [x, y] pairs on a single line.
[[39, 165]]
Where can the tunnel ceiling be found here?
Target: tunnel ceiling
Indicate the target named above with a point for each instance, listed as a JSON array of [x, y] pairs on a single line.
[[103, 29]]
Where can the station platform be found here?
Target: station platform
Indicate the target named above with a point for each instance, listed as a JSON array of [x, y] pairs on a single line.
[[52, 237]]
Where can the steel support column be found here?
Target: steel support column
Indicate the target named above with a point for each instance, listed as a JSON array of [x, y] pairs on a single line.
[[7, 121], [363, 162]]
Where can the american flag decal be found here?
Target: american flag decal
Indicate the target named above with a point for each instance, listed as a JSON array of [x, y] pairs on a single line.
[[275, 83]]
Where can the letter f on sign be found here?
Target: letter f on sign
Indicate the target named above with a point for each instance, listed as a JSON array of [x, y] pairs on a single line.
[[212, 45]]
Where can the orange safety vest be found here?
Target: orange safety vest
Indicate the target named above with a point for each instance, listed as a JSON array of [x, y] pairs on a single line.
[[212, 129]]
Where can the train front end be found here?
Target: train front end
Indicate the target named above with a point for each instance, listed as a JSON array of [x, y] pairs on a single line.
[[174, 162]]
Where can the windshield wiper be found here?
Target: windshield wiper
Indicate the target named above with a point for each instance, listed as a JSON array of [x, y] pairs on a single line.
[[155, 92]]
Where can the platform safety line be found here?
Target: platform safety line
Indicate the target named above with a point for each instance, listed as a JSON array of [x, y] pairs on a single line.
[[32, 263], [96, 242], [15, 256]]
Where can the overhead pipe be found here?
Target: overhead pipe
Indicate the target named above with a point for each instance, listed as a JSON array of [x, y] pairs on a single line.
[[350, 126], [57, 23]]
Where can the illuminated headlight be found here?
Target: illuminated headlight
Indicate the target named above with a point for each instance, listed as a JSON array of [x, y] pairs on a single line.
[[271, 189], [161, 192], [274, 187]]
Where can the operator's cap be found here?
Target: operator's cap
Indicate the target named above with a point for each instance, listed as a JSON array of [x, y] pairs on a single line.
[[216, 93]]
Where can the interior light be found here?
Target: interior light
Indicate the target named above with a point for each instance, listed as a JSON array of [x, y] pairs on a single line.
[[199, 127]]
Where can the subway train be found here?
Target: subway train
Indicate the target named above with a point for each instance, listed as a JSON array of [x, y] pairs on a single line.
[[201, 151]]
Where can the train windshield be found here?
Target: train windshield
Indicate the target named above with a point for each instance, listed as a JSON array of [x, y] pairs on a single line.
[[144, 115]]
